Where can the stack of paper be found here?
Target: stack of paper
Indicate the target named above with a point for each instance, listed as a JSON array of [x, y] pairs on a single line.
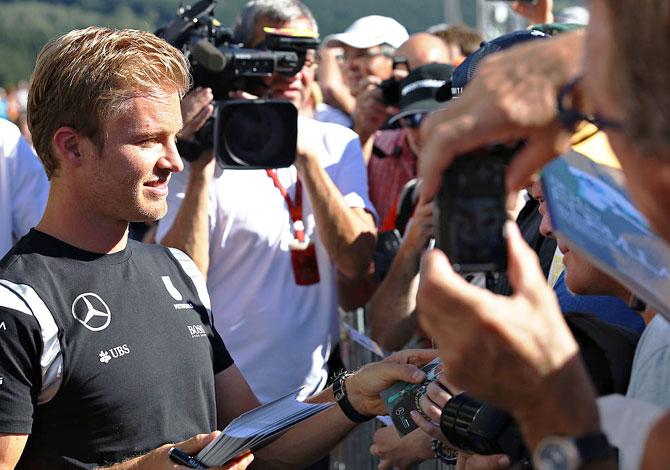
[[256, 428]]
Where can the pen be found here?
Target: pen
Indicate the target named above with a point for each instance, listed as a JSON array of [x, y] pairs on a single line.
[[184, 459]]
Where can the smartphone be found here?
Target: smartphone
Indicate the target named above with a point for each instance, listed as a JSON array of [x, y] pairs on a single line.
[[471, 212]]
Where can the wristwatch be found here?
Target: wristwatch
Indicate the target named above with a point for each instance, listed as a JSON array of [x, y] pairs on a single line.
[[340, 394], [570, 453]]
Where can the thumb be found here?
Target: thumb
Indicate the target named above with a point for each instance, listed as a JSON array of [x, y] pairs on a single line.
[[394, 372], [197, 443], [525, 274], [487, 462]]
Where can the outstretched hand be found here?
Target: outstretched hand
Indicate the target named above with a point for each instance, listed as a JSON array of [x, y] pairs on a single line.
[[364, 387]]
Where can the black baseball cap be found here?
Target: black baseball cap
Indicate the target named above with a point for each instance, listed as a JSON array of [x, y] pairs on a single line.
[[464, 72], [418, 89]]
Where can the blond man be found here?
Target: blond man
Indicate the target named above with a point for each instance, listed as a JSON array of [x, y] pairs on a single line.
[[108, 352]]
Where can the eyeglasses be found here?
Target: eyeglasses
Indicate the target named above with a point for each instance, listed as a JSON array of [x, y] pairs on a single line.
[[412, 121], [570, 117], [351, 53]]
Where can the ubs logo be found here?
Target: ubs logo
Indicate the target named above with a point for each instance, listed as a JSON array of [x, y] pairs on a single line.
[[114, 353], [91, 311]]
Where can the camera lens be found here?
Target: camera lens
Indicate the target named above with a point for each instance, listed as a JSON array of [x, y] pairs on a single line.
[[256, 134]]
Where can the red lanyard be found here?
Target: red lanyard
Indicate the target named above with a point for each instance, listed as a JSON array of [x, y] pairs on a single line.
[[294, 207]]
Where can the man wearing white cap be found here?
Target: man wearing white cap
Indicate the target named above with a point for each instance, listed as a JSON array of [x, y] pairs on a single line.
[[369, 44]]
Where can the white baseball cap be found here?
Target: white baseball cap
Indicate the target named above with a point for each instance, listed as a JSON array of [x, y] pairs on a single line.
[[370, 31]]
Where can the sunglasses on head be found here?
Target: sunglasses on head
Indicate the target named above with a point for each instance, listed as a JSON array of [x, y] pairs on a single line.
[[412, 121]]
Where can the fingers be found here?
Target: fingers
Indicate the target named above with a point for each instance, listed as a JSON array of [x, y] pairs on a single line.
[[240, 463], [432, 429], [437, 395], [487, 462], [442, 290], [196, 443], [241, 95], [525, 274], [418, 357], [540, 148]]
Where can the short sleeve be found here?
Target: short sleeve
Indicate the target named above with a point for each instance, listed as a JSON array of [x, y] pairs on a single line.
[[20, 373], [222, 358], [30, 189], [346, 166]]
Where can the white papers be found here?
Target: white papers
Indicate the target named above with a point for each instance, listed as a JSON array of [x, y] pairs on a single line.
[[364, 341], [256, 428]]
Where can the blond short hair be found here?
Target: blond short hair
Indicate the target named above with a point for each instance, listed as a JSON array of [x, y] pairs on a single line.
[[87, 76]]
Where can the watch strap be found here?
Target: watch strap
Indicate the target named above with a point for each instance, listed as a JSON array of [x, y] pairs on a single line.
[[593, 447], [340, 394]]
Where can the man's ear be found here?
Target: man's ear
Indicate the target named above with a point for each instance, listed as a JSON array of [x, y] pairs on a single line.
[[69, 144]]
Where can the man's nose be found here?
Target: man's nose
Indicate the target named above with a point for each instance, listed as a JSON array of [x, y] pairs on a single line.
[[546, 229]]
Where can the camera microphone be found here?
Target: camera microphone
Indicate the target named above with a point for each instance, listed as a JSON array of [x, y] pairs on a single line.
[[209, 56]]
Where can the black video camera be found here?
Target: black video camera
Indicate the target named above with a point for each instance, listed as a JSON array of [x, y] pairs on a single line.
[[473, 426], [247, 134]]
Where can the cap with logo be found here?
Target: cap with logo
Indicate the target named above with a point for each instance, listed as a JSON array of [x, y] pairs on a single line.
[[417, 90], [464, 72], [370, 31]]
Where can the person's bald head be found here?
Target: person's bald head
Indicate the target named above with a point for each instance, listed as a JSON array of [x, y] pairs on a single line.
[[424, 48]]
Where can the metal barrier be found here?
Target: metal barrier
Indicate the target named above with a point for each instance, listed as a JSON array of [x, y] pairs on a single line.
[[353, 453]]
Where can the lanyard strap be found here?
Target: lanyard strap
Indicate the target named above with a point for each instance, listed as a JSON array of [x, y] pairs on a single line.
[[294, 207]]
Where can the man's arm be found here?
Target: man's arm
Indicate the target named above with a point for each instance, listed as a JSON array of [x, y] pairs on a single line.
[[233, 395], [392, 307], [348, 234], [313, 438], [331, 80], [189, 231], [11, 448]]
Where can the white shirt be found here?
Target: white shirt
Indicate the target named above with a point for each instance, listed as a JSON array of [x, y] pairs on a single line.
[[279, 334], [23, 186]]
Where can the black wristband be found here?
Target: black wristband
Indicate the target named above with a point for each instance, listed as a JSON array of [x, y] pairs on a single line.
[[340, 394]]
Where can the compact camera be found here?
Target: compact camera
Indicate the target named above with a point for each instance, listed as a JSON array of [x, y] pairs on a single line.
[[471, 211]]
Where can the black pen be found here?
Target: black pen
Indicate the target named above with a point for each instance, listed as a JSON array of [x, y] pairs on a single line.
[[182, 458]]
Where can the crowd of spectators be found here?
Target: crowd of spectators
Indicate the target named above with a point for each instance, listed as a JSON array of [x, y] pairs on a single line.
[[99, 367]]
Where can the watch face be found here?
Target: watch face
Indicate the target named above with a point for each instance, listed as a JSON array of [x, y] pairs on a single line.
[[554, 457]]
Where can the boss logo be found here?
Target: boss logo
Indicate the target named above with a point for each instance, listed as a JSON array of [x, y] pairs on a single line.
[[197, 331]]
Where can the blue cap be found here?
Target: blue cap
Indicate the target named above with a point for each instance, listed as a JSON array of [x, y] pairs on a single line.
[[464, 72]]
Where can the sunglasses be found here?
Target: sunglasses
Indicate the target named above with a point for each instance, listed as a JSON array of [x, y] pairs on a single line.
[[571, 117], [412, 121]]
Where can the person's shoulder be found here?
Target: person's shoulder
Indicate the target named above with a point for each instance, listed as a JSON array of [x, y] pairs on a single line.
[[9, 137], [329, 129]]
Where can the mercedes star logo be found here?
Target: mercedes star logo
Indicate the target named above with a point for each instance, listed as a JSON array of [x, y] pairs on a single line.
[[91, 311]]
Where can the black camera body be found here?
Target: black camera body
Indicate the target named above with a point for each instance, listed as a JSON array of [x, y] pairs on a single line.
[[471, 211], [390, 92], [220, 64]]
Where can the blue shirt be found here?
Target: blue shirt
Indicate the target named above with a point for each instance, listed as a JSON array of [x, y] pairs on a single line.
[[609, 309]]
